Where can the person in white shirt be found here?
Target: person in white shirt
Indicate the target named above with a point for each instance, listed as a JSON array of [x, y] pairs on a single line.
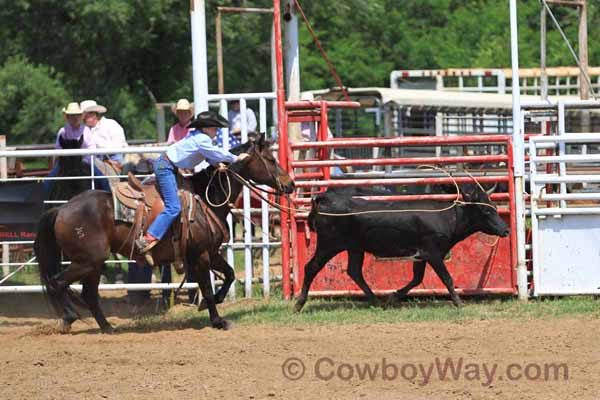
[[106, 132], [235, 120]]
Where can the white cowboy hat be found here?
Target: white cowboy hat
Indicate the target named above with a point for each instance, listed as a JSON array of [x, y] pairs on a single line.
[[72, 109], [183, 105], [92, 106]]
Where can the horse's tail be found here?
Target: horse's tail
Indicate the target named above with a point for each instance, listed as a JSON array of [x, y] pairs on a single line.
[[48, 255]]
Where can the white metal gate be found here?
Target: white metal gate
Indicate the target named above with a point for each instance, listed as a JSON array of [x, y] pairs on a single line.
[[566, 223], [251, 274]]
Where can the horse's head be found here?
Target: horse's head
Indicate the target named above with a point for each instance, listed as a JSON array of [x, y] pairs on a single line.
[[261, 167], [70, 165], [70, 143]]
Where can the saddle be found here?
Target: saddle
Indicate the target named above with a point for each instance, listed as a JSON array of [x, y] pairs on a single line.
[[145, 199]]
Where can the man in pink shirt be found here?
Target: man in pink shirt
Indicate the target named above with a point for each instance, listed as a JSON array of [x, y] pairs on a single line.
[[184, 111]]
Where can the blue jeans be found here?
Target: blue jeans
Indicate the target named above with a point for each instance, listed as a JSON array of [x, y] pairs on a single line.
[[166, 178], [101, 184]]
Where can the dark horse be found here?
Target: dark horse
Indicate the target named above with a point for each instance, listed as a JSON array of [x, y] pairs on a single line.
[[422, 230], [69, 166], [85, 231]]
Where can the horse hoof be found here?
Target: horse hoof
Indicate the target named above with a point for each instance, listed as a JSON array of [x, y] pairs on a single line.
[[222, 324], [458, 303], [298, 308], [64, 327], [107, 330]]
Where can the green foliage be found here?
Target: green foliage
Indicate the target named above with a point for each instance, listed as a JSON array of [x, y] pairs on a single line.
[[31, 100], [130, 54]]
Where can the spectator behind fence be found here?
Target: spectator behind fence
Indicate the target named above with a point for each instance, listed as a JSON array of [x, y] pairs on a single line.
[[106, 133], [73, 130], [235, 120], [184, 110]]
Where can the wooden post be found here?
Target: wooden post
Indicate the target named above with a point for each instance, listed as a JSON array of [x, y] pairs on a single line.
[[160, 123], [219, 39], [544, 74], [4, 175], [219, 36], [584, 90]]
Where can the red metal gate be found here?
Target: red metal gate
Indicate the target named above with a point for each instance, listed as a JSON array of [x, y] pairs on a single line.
[[480, 264]]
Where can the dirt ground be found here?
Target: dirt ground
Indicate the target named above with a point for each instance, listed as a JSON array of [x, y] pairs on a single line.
[[248, 361]]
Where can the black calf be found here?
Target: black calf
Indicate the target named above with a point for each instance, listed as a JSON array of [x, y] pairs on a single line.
[[422, 230]]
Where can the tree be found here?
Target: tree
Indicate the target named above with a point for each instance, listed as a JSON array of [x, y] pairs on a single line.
[[31, 102]]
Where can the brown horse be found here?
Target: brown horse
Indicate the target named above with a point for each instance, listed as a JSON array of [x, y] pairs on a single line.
[[85, 231]]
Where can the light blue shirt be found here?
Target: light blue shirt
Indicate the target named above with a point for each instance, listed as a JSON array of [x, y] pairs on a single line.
[[195, 148]]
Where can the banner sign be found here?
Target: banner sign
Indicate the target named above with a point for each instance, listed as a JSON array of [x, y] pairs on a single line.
[[21, 206]]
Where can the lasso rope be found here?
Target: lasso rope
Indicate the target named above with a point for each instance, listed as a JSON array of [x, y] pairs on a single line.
[[455, 202], [252, 187], [228, 192]]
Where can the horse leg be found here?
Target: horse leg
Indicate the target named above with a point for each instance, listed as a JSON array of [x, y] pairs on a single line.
[[418, 273], [219, 264], [355, 264], [311, 269], [60, 291], [90, 295], [437, 262], [203, 279], [69, 315]]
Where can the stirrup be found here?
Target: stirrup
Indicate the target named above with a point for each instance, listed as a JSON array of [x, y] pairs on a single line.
[[149, 259], [144, 246]]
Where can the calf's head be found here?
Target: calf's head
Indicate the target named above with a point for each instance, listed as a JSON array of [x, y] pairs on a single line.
[[483, 213]]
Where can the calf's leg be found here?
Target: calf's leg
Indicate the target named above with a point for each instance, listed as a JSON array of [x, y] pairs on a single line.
[[418, 273], [311, 269], [437, 262], [355, 264]]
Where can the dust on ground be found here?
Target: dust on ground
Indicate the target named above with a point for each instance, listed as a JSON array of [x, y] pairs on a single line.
[[347, 361]]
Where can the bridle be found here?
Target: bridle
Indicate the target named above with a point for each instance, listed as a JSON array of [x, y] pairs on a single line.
[[252, 186]]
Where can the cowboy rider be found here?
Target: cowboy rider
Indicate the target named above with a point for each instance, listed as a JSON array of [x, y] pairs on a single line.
[[186, 154]]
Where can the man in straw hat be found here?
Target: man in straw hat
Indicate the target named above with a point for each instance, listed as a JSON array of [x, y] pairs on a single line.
[[106, 133], [187, 153], [184, 110], [74, 130]]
